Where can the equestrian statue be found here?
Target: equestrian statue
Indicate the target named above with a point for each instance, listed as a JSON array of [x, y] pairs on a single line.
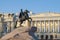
[[23, 16]]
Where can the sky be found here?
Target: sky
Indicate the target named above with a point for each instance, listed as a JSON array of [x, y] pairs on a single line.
[[36, 6]]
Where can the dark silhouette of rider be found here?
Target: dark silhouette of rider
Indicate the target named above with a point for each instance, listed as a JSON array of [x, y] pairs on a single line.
[[21, 14]]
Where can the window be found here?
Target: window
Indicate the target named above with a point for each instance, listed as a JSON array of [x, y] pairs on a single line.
[[55, 36], [42, 36], [51, 36]]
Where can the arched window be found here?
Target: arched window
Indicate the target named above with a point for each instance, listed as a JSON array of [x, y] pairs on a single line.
[[46, 37], [55, 36], [42, 36], [51, 36]]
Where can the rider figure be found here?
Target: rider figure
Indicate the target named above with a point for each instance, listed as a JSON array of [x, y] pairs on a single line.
[[21, 14]]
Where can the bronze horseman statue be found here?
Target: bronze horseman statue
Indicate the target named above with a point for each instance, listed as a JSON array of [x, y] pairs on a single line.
[[23, 16]]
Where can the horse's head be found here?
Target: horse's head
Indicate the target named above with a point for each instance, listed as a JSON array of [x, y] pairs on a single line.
[[26, 11]]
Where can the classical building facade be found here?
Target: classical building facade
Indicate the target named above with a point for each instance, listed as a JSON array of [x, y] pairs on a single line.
[[47, 24]]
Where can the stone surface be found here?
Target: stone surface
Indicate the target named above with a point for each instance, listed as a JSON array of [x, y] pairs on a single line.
[[20, 33]]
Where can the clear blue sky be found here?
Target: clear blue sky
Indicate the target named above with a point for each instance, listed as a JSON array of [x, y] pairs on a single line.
[[35, 6]]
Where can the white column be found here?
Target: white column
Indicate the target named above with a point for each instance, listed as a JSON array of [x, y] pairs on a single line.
[[12, 26], [58, 25], [53, 25], [44, 26], [40, 26], [49, 26], [35, 23], [8, 28]]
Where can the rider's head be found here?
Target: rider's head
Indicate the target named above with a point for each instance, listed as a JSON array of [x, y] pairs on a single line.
[[21, 10]]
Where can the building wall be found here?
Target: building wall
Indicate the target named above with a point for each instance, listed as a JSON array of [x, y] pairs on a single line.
[[6, 23], [47, 24]]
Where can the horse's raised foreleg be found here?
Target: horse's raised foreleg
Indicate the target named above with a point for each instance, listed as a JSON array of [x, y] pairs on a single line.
[[29, 19]]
